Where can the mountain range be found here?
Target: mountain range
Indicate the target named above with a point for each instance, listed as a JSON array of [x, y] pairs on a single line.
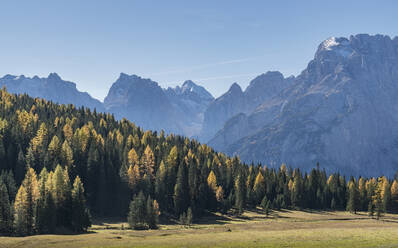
[[340, 111]]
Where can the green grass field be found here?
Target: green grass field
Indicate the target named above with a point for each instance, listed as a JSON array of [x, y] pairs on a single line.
[[281, 229]]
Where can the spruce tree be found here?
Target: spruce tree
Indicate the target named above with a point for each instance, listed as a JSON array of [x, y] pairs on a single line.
[[21, 214], [353, 197], [151, 213], [6, 219], [31, 196], [259, 187], [240, 193], [80, 215], [189, 217], [137, 212], [41, 215], [181, 197], [370, 209], [394, 196]]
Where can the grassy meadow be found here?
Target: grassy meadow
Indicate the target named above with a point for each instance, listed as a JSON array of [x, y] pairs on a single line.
[[253, 229]]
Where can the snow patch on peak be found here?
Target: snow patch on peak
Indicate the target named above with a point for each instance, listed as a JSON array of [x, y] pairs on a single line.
[[329, 43], [333, 42], [340, 46]]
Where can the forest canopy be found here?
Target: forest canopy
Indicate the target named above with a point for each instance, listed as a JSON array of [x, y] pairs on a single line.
[[59, 163]]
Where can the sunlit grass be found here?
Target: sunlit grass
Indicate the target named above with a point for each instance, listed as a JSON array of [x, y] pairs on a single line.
[[281, 229]]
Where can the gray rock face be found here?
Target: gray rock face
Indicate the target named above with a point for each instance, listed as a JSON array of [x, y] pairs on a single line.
[[177, 110], [52, 88], [143, 102], [342, 111], [235, 101], [190, 102]]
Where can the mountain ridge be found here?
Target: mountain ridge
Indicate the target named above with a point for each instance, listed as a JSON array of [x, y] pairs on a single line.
[[340, 110]]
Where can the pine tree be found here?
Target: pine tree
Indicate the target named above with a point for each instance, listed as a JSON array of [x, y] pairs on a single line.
[[80, 215], [394, 196], [370, 209], [265, 205], [152, 212], [41, 215], [137, 212], [21, 214], [220, 194], [189, 219], [31, 195], [161, 184], [378, 198], [132, 158], [20, 167], [181, 197], [66, 155], [386, 193], [259, 187], [62, 196], [6, 219], [134, 177], [148, 162], [297, 190], [353, 197], [212, 182], [240, 193], [54, 152]]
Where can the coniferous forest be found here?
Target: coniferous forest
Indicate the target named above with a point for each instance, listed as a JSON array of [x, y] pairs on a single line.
[[60, 166]]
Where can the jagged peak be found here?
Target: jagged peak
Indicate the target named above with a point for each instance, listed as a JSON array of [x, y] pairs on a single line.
[[271, 75], [54, 76], [235, 87], [333, 42], [124, 76], [189, 83]]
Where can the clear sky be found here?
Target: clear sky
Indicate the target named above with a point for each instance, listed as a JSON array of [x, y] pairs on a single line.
[[214, 43]]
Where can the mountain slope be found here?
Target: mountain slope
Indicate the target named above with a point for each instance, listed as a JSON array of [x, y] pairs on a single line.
[[235, 101], [342, 110], [141, 101], [177, 110], [190, 101], [51, 88]]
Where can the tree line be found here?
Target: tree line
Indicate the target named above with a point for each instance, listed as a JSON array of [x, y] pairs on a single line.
[[43, 203], [125, 169]]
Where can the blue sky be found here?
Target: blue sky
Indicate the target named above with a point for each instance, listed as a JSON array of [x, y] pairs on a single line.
[[214, 43]]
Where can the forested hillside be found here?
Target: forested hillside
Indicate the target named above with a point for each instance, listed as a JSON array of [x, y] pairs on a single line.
[[44, 147]]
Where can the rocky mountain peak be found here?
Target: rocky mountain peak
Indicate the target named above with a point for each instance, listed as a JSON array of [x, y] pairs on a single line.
[[51, 88], [235, 89], [340, 111], [189, 87], [54, 77]]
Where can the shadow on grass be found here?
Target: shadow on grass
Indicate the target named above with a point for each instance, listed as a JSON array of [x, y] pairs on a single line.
[[213, 219], [316, 211]]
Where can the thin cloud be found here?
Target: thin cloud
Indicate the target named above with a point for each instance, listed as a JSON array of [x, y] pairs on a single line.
[[227, 76], [204, 66]]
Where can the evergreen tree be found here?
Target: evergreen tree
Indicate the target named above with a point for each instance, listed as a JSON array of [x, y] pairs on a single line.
[[240, 192], [31, 195], [259, 187], [152, 213], [370, 209], [6, 219], [161, 185], [21, 214], [80, 215], [353, 197], [41, 215], [137, 212], [265, 205], [394, 196], [189, 217], [181, 199]]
